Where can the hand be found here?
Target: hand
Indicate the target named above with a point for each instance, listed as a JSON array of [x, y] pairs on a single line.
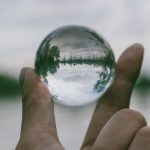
[[112, 126]]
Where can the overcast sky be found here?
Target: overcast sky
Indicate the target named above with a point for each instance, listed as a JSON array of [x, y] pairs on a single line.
[[24, 24]]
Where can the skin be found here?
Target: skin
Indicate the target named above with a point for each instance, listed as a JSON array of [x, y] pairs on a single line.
[[113, 126]]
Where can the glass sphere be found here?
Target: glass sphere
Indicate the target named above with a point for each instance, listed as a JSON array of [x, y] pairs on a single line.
[[76, 64]]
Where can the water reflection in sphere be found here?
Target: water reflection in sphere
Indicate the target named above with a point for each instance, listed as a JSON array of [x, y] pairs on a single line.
[[76, 64]]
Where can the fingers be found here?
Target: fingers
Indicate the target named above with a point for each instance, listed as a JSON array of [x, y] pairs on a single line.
[[119, 130], [127, 70], [141, 140], [38, 114], [118, 95]]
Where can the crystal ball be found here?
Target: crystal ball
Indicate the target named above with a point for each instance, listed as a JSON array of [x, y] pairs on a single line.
[[76, 64]]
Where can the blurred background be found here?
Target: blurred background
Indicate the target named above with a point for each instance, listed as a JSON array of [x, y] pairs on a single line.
[[24, 24]]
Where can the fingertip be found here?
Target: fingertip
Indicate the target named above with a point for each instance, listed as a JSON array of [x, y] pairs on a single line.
[[138, 46], [131, 114], [135, 51], [30, 82], [144, 132], [139, 49], [25, 72], [28, 78], [130, 62]]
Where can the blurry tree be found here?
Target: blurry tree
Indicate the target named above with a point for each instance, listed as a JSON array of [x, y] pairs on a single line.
[[9, 86], [143, 84]]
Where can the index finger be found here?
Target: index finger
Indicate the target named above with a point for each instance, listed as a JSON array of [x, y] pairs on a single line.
[[118, 95]]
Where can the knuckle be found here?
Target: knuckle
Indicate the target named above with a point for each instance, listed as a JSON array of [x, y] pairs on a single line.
[[144, 132], [132, 115]]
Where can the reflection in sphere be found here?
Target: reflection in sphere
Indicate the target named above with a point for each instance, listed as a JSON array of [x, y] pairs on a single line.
[[76, 64]]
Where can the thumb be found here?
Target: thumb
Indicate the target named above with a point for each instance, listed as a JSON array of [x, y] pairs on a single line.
[[38, 113]]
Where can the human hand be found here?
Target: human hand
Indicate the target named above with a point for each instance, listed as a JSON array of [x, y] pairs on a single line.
[[114, 126], [110, 129]]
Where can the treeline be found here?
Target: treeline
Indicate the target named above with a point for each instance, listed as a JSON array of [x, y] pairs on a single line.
[[49, 60], [9, 86]]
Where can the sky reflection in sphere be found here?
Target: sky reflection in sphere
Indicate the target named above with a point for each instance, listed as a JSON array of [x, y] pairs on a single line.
[[76, 64]]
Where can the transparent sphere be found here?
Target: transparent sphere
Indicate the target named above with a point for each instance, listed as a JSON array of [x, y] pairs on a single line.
[[76, 64]]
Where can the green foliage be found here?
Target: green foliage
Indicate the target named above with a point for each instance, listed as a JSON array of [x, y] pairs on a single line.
[[9, 87], [143, 84]]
